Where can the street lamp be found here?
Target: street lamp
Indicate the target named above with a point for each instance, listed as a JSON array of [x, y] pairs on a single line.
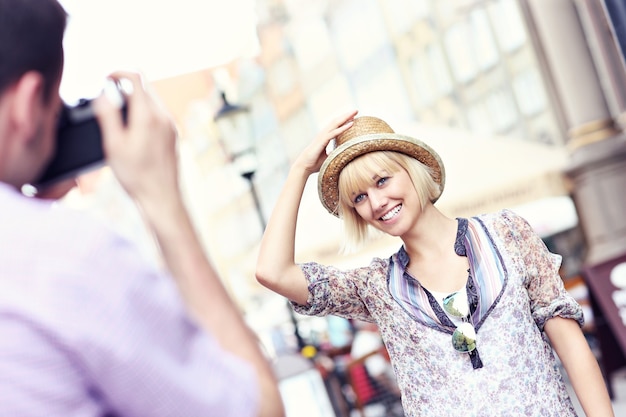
[[237, 137]]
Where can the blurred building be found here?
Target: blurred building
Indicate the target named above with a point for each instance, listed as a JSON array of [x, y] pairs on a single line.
[[550, 73], [467, 65], [457, 63], [546, 73]]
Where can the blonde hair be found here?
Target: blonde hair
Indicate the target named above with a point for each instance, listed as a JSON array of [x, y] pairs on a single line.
[[357, 175]]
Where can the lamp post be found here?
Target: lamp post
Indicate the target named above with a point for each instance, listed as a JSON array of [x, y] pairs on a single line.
[[235, 127], [237, 136]]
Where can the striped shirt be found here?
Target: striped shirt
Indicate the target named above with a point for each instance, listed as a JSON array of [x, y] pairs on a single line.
[[485, 273]]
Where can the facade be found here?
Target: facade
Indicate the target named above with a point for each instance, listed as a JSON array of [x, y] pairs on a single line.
[[469, 65], [545, 72]]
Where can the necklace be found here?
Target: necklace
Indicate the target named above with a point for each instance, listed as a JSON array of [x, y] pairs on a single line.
[[465, 313]]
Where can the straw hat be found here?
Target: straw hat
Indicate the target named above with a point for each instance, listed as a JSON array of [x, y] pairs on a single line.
[[370, 134]]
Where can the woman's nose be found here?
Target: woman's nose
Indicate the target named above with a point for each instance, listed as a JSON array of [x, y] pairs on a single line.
[[377, 200]]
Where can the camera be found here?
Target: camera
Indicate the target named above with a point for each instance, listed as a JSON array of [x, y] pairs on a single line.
[[78, 140]]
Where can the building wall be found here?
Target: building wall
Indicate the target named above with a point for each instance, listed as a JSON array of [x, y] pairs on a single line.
[[461, 64]]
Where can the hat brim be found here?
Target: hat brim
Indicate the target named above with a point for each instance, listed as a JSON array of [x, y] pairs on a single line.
[[328, 178]]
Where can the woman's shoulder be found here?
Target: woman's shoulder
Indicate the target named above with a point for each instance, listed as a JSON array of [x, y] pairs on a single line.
[[504, 227], [376, 265], [378, 261], [511, 233], [504, 220]]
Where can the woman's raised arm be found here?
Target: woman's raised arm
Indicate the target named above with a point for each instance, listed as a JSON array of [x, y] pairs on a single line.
[[276, 268]]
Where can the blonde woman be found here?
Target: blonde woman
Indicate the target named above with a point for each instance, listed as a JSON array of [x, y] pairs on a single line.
[[464, 305]]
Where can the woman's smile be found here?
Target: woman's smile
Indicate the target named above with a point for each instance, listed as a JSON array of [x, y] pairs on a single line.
[[391, 213]]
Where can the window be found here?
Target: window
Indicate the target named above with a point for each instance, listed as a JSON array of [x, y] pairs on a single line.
[[440, 72], [508, 24], [483, 44], [501, 108], [310, 41], [403, 13], [457, 40], [529, 92], [359, 32]]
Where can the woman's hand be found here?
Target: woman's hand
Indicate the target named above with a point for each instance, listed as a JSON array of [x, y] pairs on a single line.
[[314, 155], [276, 267]]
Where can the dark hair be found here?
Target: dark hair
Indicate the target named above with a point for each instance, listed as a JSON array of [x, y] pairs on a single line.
[[31, 39]]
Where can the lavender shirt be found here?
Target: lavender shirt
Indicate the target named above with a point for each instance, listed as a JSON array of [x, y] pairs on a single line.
[[88, 328]]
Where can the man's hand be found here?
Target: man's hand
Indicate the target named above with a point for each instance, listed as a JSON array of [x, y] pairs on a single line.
[[142, 155], [142, 152]]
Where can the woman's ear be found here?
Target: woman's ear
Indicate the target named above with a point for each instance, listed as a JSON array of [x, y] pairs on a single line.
[[27, 104]]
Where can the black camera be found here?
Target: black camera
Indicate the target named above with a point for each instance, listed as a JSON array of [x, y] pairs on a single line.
[[78, 142]]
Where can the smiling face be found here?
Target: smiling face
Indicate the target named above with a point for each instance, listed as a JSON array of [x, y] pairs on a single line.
[[386, 190], [388, 201]]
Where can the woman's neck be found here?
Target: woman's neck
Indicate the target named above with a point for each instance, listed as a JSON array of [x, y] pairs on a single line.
[[432, 259], [432, 235]]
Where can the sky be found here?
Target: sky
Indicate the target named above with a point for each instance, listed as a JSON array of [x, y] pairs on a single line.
[[160, 38]]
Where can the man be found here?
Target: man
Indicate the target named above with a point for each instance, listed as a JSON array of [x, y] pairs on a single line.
[[87, 328]]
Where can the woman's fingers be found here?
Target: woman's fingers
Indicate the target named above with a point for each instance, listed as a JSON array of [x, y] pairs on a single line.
[[340, 120], [340, 124], [314, 155], [336, 126]]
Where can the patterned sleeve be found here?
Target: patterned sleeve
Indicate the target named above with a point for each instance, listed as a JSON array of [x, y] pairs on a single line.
[[548, 296], [337, 292]]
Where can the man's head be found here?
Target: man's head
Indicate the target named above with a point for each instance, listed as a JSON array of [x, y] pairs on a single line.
[[31, 39], [31, 64]]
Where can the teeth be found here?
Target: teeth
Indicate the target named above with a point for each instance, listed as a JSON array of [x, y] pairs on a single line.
[[391, 213]]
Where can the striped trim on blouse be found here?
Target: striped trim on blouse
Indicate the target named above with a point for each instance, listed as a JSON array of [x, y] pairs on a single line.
[[487, 277]]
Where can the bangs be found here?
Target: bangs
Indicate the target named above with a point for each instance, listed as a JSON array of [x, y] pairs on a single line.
[[358, 174]]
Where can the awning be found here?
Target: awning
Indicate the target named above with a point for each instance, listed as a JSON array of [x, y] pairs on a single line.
[[485, 174]]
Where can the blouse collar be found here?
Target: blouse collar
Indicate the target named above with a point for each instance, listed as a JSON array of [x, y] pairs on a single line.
[[459, 244]]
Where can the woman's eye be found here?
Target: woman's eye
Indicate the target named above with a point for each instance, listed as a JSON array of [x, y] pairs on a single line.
[[381, 181], [358, 198]]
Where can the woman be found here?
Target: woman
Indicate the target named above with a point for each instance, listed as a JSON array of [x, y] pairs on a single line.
[[463, 306]]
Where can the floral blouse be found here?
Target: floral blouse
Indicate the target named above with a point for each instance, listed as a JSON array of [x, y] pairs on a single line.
[[518, 287]]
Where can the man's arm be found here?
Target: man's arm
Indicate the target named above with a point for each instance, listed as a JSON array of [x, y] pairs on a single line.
[[143, 157]]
